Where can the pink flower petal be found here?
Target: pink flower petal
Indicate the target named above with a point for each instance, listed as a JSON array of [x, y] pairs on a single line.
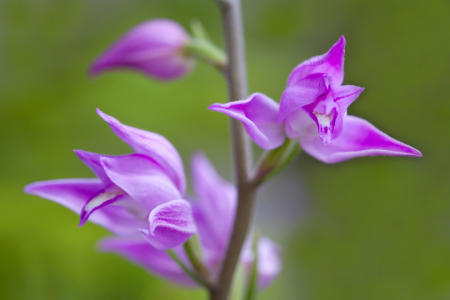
[[74, 193], [214, 208], [92, 160], [358, 138], [331, 63], [171, 224], [305, 92], [152, 145], [156, 261], [259, 115], [142, 178]]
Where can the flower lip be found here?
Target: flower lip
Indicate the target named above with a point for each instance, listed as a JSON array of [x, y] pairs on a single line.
[[325, 125], [325, 113], [105, 197], [170, 224]]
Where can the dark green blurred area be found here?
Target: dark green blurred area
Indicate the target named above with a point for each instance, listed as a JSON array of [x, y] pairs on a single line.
[[375, 228]]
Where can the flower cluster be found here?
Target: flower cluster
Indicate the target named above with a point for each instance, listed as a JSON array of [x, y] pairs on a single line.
[[140, 197]]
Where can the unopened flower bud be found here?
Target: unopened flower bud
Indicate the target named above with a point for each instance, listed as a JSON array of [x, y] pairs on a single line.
[[155, 48]]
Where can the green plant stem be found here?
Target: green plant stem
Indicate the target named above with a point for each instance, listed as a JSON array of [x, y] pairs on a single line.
[[236, 75]]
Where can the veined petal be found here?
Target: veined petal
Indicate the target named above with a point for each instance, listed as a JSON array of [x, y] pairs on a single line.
[[346, 95], [304, 92], [331, 63], [171, 224], [214, 208], [152, 145], [92, 160], [259, 114], [74, 193], [156, 261], [358, 138], [142, 178]]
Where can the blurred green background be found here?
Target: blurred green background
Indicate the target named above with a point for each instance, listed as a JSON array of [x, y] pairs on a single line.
[[369, 228]]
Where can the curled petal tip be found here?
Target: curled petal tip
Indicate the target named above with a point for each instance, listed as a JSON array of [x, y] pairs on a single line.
[[216, 106], [415, 152], [171, 224]]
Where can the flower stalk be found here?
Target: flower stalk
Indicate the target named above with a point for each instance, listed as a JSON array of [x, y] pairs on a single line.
[[205, 50], [195, 261], [236, 75], [272, 162], [185, 268]]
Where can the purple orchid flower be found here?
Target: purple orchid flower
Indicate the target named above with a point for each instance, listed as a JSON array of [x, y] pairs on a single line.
[[313, 111], [155, 47], [134, 194], [214, 211], [139, 198]]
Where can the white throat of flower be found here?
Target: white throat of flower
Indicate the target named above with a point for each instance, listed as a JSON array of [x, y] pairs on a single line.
[[109, 194], [324, 126]]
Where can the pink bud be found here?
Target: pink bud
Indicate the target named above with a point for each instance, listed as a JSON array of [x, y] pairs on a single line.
[[154, 47]]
